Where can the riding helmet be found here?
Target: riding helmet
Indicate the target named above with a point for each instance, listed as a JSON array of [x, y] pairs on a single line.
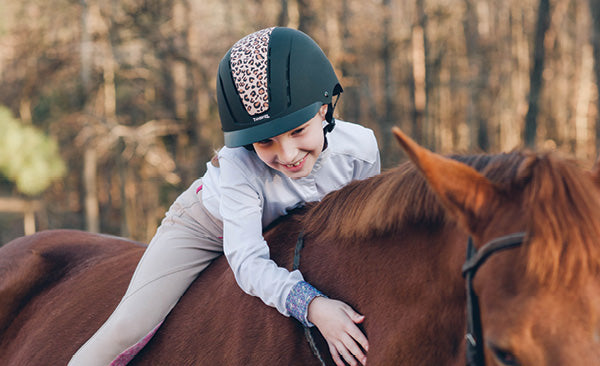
[[271, 82]]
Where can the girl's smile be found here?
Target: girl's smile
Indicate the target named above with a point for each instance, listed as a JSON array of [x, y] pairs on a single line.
[[297, 166], [294, 153]]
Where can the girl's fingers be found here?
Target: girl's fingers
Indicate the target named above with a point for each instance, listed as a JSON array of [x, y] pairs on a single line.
[[359, 337], [353, 315], [351, 346], [335, 355], [357, 318], [343, 350], [354, 331]]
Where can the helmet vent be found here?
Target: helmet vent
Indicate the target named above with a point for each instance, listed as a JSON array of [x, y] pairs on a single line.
[[288, 81], [249, 68]]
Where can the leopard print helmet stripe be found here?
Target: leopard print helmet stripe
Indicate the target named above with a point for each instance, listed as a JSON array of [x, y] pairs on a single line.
[[249, 61]]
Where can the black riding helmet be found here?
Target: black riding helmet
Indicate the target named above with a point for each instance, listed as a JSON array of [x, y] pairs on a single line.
[[270, 82]]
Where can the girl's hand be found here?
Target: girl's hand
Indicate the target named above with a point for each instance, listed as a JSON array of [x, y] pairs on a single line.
[[337, 323]]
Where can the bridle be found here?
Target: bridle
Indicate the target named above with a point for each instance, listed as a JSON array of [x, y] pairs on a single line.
[[475, 258], [307, 333]]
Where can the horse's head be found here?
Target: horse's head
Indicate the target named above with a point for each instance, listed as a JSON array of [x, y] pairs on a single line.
[[539, 301]]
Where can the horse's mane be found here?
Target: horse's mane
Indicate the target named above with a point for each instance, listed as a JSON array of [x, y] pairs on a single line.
[[386, 203], [564, 228], [563, 211]]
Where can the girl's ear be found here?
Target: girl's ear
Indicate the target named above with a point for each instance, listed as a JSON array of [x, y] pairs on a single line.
[[323, 110]]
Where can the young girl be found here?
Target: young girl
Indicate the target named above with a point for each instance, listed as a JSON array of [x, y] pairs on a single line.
[[275, 89]]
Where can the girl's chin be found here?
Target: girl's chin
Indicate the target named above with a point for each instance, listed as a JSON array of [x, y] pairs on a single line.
[[294, 175]]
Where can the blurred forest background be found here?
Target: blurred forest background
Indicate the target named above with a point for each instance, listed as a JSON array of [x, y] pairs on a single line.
[[108, 108]]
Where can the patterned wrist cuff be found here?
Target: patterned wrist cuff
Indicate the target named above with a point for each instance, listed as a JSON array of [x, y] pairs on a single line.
[[298, 300]]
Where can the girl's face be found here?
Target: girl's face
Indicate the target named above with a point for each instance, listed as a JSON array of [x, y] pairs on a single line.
[[295, 152]]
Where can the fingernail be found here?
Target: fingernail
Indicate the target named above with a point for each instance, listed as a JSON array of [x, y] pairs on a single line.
[[364, 361]]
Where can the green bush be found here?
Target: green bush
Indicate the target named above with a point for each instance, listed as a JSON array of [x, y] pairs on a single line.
[[28, 157]]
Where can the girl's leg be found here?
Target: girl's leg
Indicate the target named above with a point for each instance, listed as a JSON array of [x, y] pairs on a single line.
[[184, 245]]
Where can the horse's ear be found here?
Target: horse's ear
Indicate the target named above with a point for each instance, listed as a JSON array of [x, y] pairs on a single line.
[[462, 190]]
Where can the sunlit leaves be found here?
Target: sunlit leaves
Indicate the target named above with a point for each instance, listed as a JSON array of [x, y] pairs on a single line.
[[28, 157]]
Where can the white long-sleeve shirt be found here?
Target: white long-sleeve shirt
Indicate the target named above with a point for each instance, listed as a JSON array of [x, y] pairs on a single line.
[[247, 195]]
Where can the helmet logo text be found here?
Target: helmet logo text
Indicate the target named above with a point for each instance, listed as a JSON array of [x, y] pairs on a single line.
[[256, 119]]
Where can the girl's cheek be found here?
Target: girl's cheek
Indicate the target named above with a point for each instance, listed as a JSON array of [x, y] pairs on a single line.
[[265, 157]]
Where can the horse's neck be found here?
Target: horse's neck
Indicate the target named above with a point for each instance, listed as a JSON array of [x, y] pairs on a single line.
[[397, 282], [407, 258]]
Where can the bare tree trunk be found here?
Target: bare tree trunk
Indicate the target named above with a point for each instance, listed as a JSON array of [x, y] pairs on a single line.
[[307, 16], [511, 133], [25, 109], [283, 17], [108, 72], [478, 63], [350, 78], [92, 216], [419, 72], [595, 15], [26, 207], [535, 79], [387, 54], [191, 89], [122, 171], [583, 98], [91, 206], [85, 49]]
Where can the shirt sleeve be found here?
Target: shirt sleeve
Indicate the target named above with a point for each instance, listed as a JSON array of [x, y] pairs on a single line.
[[298, 300], [245, 248], [365, 168]]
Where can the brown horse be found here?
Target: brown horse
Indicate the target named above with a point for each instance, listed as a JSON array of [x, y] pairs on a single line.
[[391, 246]]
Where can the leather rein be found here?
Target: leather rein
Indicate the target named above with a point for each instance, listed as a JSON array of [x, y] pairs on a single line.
[[475, 258], [307, 333]]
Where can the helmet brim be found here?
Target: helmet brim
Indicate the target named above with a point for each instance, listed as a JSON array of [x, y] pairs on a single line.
[[274, 127]]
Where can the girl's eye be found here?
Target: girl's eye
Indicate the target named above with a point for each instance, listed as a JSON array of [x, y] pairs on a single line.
[[264, 142], [297, 131]]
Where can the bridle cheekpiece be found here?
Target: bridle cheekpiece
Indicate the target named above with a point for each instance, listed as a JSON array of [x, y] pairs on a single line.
[[475, 258]]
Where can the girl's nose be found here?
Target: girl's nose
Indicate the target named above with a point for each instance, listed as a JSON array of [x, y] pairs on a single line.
[[287, 152]]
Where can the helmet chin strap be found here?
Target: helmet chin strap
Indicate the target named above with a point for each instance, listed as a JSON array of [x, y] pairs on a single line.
[[329, 126], [329, 116], [330, 121]]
